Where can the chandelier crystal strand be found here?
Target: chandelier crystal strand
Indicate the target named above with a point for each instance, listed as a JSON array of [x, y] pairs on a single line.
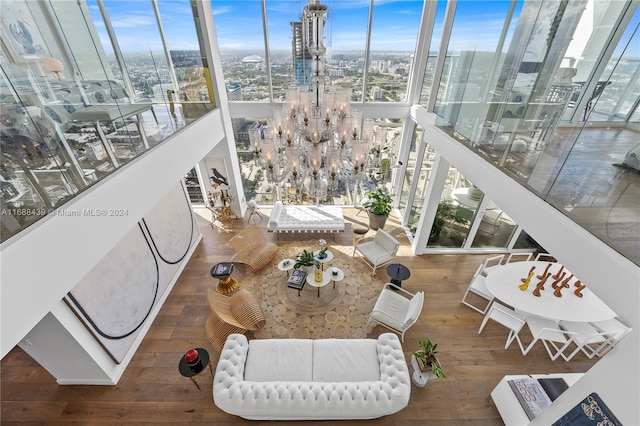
[[315, 135]]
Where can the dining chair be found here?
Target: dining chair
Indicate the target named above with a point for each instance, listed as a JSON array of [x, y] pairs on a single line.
[[554, 339], [545, 257], [478, 285], [587, 338], [507, 317], [491, 263], [518, 257], [397, 309], [616, 330]]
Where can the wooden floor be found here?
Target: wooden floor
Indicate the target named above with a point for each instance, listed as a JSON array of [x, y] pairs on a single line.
[[152, 391]]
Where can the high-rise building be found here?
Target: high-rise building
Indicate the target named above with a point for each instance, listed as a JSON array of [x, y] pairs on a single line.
[[301, 55]]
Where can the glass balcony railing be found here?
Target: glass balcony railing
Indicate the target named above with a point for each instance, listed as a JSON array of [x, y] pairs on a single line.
[[76, 108]]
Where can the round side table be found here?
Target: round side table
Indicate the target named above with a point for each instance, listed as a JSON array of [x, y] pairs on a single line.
[[328, 258], [226, 283], [195, 367], [338, 276], [326, 277], [398, 272], [285, 265]]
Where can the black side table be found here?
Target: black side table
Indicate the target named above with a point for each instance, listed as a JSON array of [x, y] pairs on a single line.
[[398, 273], [226, 283], [195, 367]]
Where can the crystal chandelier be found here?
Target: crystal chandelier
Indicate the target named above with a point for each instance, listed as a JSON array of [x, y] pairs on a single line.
[[315, 135]]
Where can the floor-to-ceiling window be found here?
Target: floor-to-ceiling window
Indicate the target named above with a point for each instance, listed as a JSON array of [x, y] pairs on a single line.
[[394, 31], [239, 28]]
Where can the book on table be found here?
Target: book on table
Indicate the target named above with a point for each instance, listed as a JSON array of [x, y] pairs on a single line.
[[297, 279], [553, 386], [222, 270], [531, 395]]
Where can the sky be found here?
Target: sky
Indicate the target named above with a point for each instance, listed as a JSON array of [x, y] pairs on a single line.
[[239, 23], [395, 23]]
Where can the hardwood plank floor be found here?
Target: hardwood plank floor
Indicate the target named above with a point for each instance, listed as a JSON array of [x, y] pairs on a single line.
[[152, 391]]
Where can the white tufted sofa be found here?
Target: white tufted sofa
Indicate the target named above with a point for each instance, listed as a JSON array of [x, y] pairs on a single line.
[[305, 379]]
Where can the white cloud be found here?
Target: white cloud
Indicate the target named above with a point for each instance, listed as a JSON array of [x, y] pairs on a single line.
[[221, 10], [132, 21]]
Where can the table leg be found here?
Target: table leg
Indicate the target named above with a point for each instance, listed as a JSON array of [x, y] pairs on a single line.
[[396, 282], [318, 291], [195, 383]]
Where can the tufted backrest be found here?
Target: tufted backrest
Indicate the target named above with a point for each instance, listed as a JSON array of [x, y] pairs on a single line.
[[278, 400]]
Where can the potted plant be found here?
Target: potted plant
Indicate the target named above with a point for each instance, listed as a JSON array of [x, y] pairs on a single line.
[[307, 259], [379, 208], [427, 360]]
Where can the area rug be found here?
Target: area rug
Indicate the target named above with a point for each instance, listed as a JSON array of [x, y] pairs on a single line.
[[338, 312]]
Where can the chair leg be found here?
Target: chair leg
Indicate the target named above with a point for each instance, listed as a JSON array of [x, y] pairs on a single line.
[[510, 338], [484, 322], [559, 351]]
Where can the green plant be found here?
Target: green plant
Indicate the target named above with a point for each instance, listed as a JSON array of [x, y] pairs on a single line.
[[444, 211], [306, 258], [426, 357], [380, 202]]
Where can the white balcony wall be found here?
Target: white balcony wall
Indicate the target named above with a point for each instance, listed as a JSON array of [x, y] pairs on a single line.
[[54, 254]]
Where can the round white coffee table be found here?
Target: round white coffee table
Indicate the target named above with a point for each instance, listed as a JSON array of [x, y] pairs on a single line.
[[286, 265], [326, 277]]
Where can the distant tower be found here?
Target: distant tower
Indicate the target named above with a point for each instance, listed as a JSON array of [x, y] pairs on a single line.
[[301, 56]]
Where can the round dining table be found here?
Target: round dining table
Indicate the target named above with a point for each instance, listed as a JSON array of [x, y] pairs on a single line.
[[504, 283]]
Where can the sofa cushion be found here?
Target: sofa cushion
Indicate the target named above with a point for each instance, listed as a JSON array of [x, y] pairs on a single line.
[[285, 360], [390, 307], [345, 360], [375, 252]]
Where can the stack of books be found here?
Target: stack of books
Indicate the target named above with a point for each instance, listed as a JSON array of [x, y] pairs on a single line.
[[297, 279], [536, 394]]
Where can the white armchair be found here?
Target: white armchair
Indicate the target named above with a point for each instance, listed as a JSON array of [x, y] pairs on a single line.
[[397, 309], [377, 251]]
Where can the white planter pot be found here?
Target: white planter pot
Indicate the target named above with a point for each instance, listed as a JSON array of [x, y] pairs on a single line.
[[420, 378]]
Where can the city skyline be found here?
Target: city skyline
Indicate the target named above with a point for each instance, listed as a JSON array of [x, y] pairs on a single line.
[[239, 25]]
